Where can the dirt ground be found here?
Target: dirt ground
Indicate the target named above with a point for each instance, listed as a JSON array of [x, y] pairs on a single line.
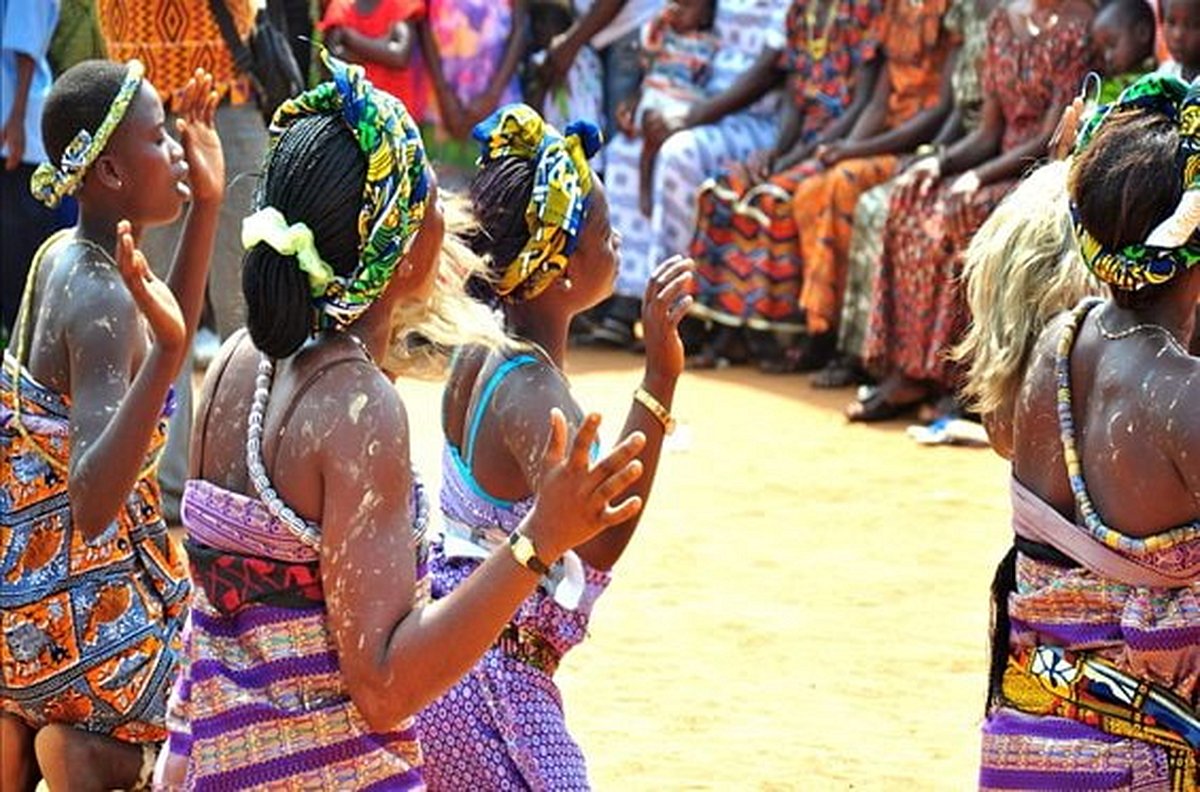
[[804, 605]]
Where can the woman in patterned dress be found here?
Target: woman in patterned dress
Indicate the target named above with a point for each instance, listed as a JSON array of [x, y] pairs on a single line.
[[737, 118], [503, 726], [968, 19], [470, 50], [1094, 682], [1035, 62]]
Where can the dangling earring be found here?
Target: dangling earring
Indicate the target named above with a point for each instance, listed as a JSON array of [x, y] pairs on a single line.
[[566, 283]]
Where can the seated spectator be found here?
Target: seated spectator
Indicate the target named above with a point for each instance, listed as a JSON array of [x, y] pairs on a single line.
[[736, 119], [1035, 63], [969, 19], [749, 263]]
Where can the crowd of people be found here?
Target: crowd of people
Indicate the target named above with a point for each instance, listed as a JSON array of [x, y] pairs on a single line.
[[841, 187]]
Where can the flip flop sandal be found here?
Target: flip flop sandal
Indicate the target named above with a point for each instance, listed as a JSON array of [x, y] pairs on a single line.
[[876, 407]]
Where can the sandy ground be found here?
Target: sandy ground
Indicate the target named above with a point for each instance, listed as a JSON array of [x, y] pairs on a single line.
[[804, 605]]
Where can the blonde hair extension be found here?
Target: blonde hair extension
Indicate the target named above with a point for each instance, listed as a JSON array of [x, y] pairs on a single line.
[[426, 332], [1022, 268]]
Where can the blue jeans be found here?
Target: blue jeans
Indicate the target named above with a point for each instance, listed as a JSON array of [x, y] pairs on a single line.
[[622, 76], [24, 225]]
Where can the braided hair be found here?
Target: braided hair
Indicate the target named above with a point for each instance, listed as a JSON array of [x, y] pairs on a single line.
[[314, 175]]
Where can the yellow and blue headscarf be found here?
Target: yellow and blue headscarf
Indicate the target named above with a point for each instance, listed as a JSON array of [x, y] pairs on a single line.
[[50, 184], [394, 193], [1169, 249], [562, 184]]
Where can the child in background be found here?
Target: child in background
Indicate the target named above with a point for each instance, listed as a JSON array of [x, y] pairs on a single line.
[[1123, 38], [382, 36], [678, 47], [93, 592], [1181, 29]]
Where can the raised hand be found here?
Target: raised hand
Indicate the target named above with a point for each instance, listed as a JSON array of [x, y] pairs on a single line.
[[664, 304], [153, 297], [198, 133], [573, 501]]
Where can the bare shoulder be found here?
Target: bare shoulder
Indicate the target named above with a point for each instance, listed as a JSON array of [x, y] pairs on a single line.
[[89, 294], [527, 394], [1177, 396], [358, 410]]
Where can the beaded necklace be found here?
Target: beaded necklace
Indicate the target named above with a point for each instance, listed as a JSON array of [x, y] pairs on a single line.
[[305, 531], [818, 47], [1093, 522], [1146, 327]]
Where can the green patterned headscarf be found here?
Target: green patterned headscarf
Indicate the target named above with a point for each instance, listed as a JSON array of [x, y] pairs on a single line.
[[1169, 249], [394, 193], [562, 182], [50, 184]]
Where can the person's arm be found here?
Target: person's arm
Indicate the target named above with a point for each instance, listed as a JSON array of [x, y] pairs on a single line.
[[978, 146], [564, 47], [528, 393], [873, 118], [188, 277], [396, 657], [483, 106], [14, 126], [908, 135], [393, 50], [763, 76], [113, 419]]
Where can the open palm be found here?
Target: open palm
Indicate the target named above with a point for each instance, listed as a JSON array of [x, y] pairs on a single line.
[[153, 297], [198, 132]]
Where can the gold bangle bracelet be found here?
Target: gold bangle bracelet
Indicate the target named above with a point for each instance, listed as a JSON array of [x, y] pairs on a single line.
[[647, 400]]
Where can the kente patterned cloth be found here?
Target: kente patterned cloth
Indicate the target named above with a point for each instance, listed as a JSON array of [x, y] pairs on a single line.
[[89, 629], [1103, 677], [918, 304], [260, 700], [174, 38], [395, 190], [502, 726], [750, 266]]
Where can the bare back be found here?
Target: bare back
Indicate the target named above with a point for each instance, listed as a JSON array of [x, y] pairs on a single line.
[[307, 399], [1137, 427]]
